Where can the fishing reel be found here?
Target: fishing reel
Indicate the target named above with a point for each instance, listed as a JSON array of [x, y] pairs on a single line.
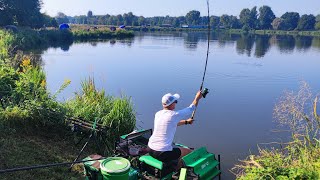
[[204, 92]]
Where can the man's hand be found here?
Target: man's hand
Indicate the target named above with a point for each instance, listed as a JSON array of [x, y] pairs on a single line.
[[198, 95], [190, 121]]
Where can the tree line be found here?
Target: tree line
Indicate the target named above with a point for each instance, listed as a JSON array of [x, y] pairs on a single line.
[[27, 13], [248, 19]]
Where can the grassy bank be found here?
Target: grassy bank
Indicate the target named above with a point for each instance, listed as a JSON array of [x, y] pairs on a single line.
[[33, 126], [39, 147], [85, 33], [29, 39]]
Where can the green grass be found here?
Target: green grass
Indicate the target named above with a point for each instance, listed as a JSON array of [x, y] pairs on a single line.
[[40, 147]]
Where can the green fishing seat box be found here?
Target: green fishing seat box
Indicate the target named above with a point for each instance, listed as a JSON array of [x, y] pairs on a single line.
[[202, 164], [92, 168], [156, 168]]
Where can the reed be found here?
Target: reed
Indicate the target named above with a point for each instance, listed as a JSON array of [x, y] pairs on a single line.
[[297, 159]]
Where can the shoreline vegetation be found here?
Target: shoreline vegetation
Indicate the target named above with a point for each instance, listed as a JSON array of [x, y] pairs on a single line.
[[33, 124]]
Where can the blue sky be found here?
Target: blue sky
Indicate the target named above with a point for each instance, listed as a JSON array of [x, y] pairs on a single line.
[[148, 8]]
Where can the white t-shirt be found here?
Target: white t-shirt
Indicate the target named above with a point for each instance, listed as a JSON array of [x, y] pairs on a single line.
[[165, 125]]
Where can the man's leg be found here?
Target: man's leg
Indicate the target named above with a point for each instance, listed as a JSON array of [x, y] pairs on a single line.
[[184, 151]]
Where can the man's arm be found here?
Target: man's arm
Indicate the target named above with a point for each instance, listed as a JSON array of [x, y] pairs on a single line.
[[197, 98], [185, 122]]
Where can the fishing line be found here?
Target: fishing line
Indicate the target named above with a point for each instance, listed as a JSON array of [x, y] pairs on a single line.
[[204, 91]]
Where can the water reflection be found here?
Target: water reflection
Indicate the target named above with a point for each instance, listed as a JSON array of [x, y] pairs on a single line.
[[262, 45], [245, 44], [303, 43], [285, 44]]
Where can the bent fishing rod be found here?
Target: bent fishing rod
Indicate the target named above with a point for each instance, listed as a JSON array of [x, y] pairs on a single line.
[[204, 91]]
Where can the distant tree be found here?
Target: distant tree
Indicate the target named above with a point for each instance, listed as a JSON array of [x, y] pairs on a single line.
[[192, 17], [235, 23], [49, 21], [290, 20], [249, 18], [318, 18], [182, 20], [225, 21], [254, 18], [61, 18], [306, 22], [214, 22], [176, 22], [89, 14], [119, 19], [266, 16], [278, 24], [317, 26], [229, 21], [245, 18], [128, 18]]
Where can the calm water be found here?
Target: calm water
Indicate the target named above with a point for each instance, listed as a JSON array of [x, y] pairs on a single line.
[[245, 75]]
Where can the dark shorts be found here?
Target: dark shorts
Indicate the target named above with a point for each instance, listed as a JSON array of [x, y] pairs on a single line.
[[166, 156]]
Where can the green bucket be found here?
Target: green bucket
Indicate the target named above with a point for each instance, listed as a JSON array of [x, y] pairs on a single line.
[[115, 168]]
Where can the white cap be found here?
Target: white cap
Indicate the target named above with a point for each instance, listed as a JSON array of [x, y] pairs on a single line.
[[168, 99]]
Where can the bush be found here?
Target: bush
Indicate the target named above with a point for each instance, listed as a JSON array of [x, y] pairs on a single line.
[[25, 99]]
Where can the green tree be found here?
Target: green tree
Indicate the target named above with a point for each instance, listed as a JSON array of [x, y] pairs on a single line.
[[245, 17], [266, 16], [249, 18], [49, 21], [6, 12], [119, 19], [306, 22], [229, 21], [317, 26], [192, 17], [128, 18], [22, 13], [290, 20], [61, 18], [254, 18], [214, 22], [89, 14], [141, 20], [225, 21]]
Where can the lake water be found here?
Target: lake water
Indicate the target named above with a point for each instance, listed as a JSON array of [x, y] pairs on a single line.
[[245, 74]]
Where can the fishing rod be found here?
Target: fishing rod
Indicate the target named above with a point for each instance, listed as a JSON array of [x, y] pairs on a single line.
[[46, 165], [204, 91]]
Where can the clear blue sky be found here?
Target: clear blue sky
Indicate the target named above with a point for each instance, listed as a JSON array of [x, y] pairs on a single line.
[[149, 8]]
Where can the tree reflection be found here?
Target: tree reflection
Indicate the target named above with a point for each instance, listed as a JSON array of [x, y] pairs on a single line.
[[226, 38], [316, 42], [262, 45], [245, 44], [191, 40], [303, 42], [286, 44]]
